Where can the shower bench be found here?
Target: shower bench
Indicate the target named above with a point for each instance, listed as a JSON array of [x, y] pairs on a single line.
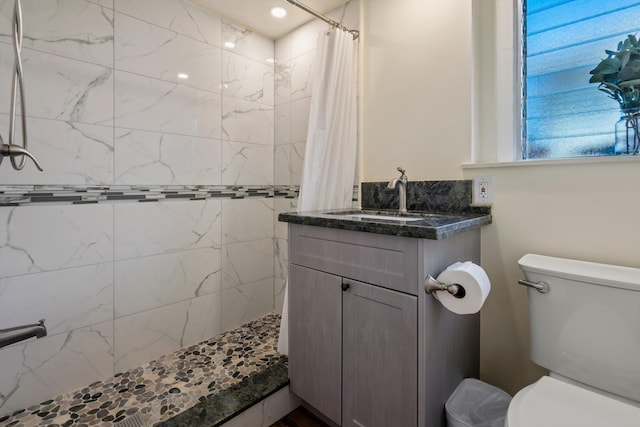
[[209, 384]]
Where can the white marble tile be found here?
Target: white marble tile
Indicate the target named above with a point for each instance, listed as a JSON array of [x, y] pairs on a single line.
[[143, 229], [246, 164], [282, 165], [70, 153], [305, 38], [103, 3], [246, 42], [59, 88], [246, 121], [179, 16], [204, 319], [247, 262], [281, 259], [36, 370], [247, 219], [150, 282], [247, 79], [67, 299], [283, 49], [244, 303], [297, 162], [156, 158], [266, 412], [149, 50], [282, 83], [279, 286], [282, 124], [49, 237], [301, 76], [300, 119], [73, 28], [281, 205], [145, 103], [150, 334], [281, 273]]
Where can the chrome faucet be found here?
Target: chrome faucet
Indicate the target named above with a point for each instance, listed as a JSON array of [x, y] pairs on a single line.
[[401, 183], [20, 333]]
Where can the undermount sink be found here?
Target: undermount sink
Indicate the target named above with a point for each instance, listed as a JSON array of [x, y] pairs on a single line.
[[384, 217]]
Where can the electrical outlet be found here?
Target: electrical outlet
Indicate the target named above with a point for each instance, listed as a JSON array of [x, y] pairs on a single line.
[[482, 190]]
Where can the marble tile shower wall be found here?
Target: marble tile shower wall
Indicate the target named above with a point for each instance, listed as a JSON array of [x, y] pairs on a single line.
[[295, 54], [124, 282]]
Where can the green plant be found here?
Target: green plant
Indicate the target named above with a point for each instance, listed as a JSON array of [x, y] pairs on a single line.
[[618, 74]]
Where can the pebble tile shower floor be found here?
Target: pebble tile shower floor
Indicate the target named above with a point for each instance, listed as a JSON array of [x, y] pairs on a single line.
[[204, 384]]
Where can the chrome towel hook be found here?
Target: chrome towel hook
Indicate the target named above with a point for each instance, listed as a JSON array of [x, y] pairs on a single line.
[[11, 149]]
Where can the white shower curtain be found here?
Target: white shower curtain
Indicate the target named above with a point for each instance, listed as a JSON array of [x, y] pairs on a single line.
[[329, 167]]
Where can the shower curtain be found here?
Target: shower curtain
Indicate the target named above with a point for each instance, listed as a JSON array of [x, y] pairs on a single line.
[[329, 167]]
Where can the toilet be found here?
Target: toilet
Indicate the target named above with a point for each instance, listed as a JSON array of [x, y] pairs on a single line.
[[586, 331]]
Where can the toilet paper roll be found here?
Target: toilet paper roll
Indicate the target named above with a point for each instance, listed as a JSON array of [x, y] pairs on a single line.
[[475, 282]]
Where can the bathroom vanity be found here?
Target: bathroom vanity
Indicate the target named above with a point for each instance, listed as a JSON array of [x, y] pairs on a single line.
[[368, 346]]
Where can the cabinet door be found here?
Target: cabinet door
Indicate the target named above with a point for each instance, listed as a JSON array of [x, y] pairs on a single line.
[[380, 359], [315, 339]]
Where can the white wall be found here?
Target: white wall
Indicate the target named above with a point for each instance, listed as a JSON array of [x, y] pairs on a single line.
[[123, 282], [583, 211], [580, 211], [416, 100]]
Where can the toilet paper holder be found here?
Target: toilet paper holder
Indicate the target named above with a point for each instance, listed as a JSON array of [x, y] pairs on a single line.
[[432, 285]]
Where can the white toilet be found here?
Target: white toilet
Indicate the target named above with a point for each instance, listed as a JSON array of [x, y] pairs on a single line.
[[586, 331]]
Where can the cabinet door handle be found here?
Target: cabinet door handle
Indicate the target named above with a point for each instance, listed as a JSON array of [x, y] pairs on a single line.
[[345, 286]]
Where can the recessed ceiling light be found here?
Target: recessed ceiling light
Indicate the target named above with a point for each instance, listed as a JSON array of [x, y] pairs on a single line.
[[183, 76], [278, 12], [230, 45], [271, 60]]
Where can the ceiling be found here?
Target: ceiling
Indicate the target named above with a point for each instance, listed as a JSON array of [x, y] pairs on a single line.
[[254, 14]]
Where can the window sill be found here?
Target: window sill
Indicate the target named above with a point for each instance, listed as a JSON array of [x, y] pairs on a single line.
[[554, 162]]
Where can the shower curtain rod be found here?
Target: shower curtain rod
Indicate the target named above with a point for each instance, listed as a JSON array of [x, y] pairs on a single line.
[[354, 33]]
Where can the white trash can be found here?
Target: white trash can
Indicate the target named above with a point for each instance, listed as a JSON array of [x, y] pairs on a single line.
[[475, 403]]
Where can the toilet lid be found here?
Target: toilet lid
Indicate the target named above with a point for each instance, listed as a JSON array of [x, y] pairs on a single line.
[[554, 403]]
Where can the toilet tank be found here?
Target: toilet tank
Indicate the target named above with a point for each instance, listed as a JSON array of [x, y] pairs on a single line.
[[587, 327]]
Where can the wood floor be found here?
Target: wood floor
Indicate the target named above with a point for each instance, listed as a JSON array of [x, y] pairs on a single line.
[[299, 418]]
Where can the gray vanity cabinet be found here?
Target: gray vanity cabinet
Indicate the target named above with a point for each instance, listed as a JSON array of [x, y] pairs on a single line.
[[379, 356], [315, 335], [353, 347], [367, 346]]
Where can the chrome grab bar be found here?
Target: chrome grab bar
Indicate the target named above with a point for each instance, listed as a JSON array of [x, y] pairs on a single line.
[[12, 150], [541, 287], [20, 333]]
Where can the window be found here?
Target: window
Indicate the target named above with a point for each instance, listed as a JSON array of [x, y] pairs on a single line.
[[563, 114]]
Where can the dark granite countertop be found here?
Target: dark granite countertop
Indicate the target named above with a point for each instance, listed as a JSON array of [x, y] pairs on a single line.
[[423, 225], [221, 406]]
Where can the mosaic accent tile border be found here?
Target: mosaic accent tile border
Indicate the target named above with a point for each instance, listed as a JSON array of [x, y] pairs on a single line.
[[23, 195], [212, 380]]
